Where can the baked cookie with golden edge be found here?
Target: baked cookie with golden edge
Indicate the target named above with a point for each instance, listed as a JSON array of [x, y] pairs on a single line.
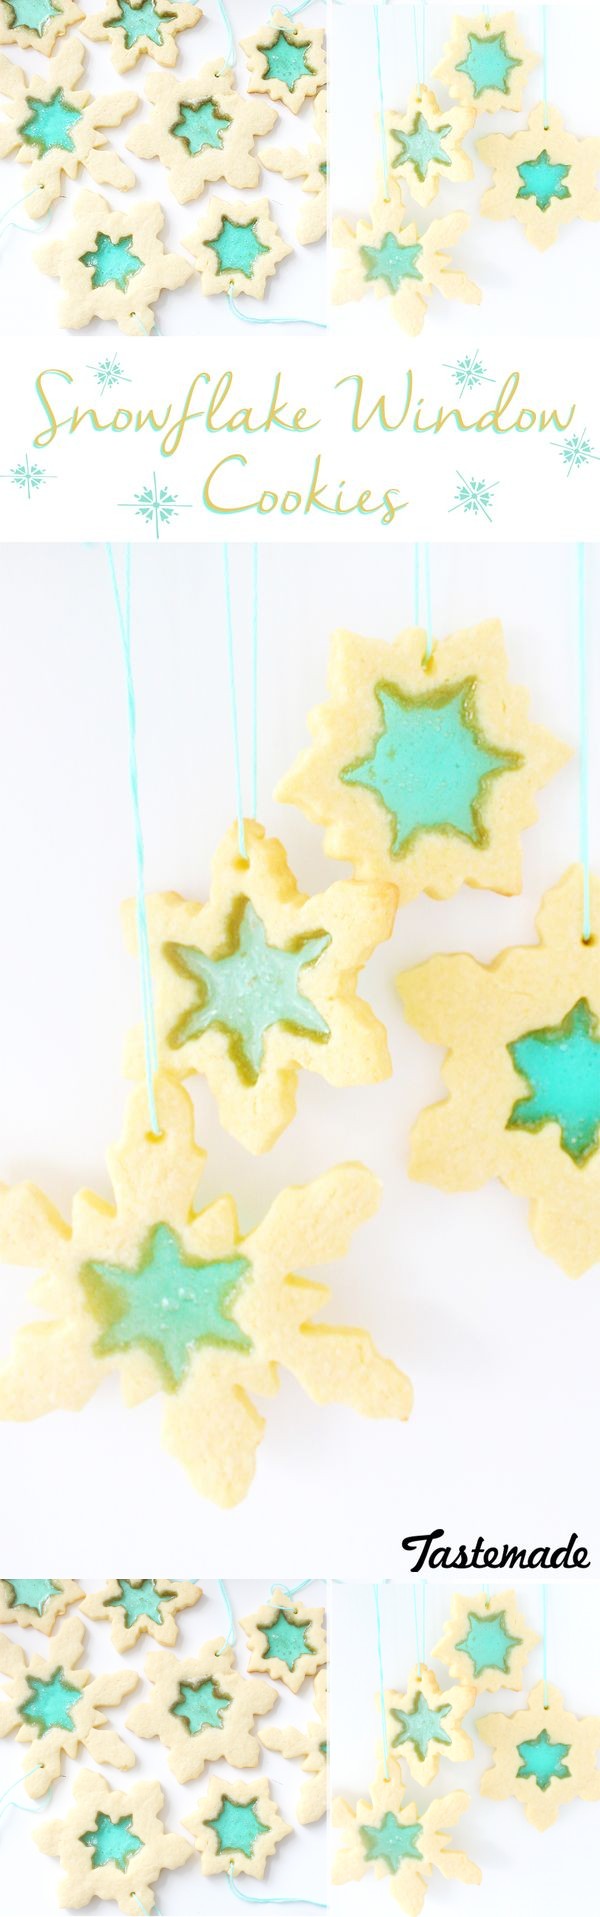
[[485, 1642], [522, 1073], [135, 27], [55, 129], [543, 1756], [395, 1840], [424, 772], [112, 1845], [543, 177], [37, 1601], [425, 145], [202, 130], [237, 1827], [286, 59], [424, 1724], [311, 168], [60, 1709], [386, 255], [112, 265], [237, 247], [286, 1638], [259, 983], [486, 64], [203, 1710], [178, 1301], [37, 23], [136, 1607], [310, 1744]]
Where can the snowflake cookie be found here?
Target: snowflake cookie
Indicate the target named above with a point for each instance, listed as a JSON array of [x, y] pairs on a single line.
[[400, 1843], [134, 27], [112, 1845], [286, 59], [177, 1301], [237, 247], [543, 177], [385, 256], [112, 265], [424, 771], [55, 129], [425, 145], [141, 1606], [260, 983], [486, 64], [202, 1709], [523, 1051], [424, 1724], [311, 1745], [543, 1755], [485, 1642], [311, 168], [286, 1638], [236, 1827], [202, 129], [57, 1707], [37, 1601], [36, 23]]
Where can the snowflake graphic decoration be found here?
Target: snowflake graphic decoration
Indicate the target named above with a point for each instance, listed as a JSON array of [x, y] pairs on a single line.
[[474, 496], [28, 478], [109, 373], [156, 505], [468, 373], [576, 451]]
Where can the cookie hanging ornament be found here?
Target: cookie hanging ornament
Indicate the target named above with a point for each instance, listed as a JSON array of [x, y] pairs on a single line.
[[37, 24], [398, 1842], [424, 1724], [132, 28], [59, 1708], [112, 265], [386, 254], [286, 59], [286, 1639], [425, 145], [237, 248], [203, 1710], [141, 1607], [543, 1755], [237, 1828], [37, 1602], [486, 65], [486, 1642], [542, 176], [112, 1845], [56, 128], [202, 130]]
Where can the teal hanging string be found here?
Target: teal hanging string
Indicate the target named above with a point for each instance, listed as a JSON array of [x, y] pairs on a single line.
[[545, 64], [231, 54], [8, 1801], [382, 127], [290, 1590], [255, 319], [584, 747], [234, 708], [123, 612], [308, 1902], [254, 762], [233, 700], [38, 225], [146, 1913], [418, 16], [545, 1641], [422, 569], [420, 1638], [384, 1735], [231, 1630]]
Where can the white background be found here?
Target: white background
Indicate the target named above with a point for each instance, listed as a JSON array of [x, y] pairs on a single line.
[[29, 299], [554, 291], [501, 1346], [29, 1881], [525, 1871]]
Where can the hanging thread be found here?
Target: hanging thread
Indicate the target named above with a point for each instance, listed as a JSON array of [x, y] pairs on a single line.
[[253, 697], [256, 319], [290, 12], [231, 54], [7, 1801], [545, 64], [5, 219], [584, 747], [422, 576], [146, 1913], [545, 1641], [254, 672], [291, 1590], [123, 611], [382, 129], [234, 708], [418, 15], [420, 1635], [309, 1902], [231, 1630], [384, 1735]]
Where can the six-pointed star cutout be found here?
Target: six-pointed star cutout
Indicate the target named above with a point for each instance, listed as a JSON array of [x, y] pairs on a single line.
[[148, 28], [542, 176], [486, 64], [238, 247], [425, 144], [237, 1828], [286, 59], [136, 1607], [424, 1723], [543, 1755], [286, 1639], [486, 1642]]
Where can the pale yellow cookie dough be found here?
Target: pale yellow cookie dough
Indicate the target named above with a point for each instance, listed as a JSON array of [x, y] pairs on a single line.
[[165, 1596], [286, 1638], [255, 918], [117, 25], [80, 1840], [37, 1601], [373, 1839], [543, 177], [202, 130], [498, 63], [81, 127], [369, 679], [286, 59], [262, 1827], [202, 1709], [216, 241], [58, 1709], [311, 167], [486, 1642], [123, 253], [543, 1756], [425, 145], [425, 1724], [37, 23], [312, 1745], [386, 255]]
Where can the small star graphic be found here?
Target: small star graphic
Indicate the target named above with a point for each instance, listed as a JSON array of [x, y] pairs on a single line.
[[391, 262], [252, 986], [170, 1305], [543, 181], [561, 1064], [156, 505]]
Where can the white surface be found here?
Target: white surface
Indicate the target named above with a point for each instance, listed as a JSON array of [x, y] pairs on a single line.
[[29, 300], [502, 1347], [556, 289], [524, 1871], [29, 1881]]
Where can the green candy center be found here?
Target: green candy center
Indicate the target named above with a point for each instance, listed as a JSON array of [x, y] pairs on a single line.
[[200, 1705], [422, 147], [237, 1827], [111, 1843], [488, 63], [391, 262], [543, 181], [248, 987], [237, 247], [286, 61], [49, 124], [33, 1593], [112, 260], [488, 1643], [392, 1842], [201, 126], [139, 1600], [431, 766], [287, 1640], [32, 14], [169, 1305], [421, 1726], [50, 1703], [561, 1064], [542, 1760], [138, 23]]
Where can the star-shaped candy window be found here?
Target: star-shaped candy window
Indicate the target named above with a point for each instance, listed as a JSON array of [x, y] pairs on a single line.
[[486, 64], [238, 248], [56, 128], [425, 1723], [260, 982], [237, 1829], [202, 129], [36, 1601], [522, 1040], [311, 167], [388, 256], [421, 1726], [424, 772], [37, 23], [286, 1639], [112, 265], [286, 59], [234, 1311], [148, 27], [486, 1642], [137, 1607], [543, 1755], [56, 1706], [542, 176], [311, 1745], [112, 1844], [202, 1710], [391, 1838], [425, 145]]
